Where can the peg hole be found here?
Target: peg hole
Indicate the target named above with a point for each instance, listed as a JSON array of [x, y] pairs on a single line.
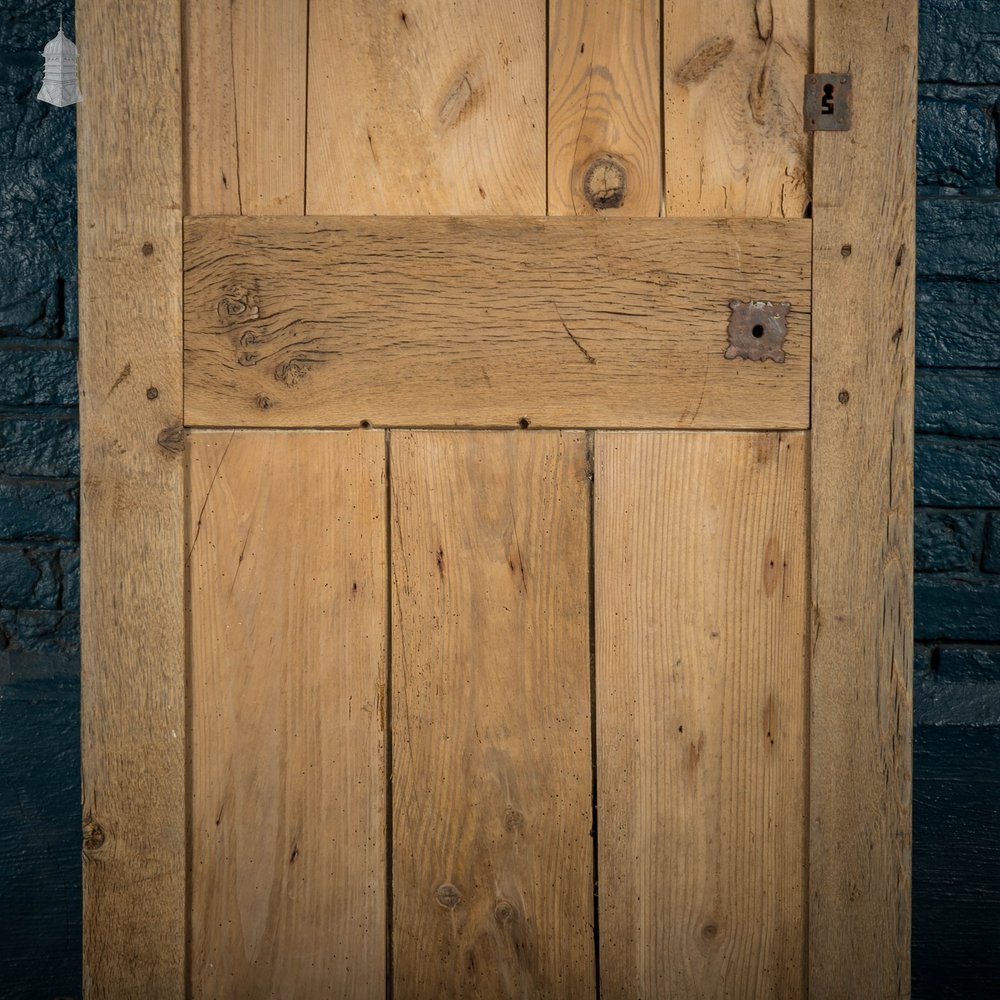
[[758, 331]]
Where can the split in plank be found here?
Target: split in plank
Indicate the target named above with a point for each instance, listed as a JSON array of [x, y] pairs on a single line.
[[245, 106], [733, 138]]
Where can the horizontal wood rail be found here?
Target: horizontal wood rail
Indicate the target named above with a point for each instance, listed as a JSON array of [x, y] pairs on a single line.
[[489, 322]]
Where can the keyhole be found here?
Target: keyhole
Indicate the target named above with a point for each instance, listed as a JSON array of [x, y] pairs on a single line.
[[827, 103], [757, 331]]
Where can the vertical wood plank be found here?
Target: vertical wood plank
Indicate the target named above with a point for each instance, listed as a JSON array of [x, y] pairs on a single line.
[[862, 506], [605, 142], [245, 106], [287, 679], [132, 504], [492, 857], [700, 582], [733, 82], [426, 106]]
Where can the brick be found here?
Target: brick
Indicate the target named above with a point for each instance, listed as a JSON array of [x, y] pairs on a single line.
[[956, 862], [26, 673], [954, 473], [991, 549], [18, 579], [970, 663], [960, 40], [28, 579], [37, 191], [37, 511], [39, 631], [957, 325], [39, 447], [69, 564], [24, 23], [37, 205], [964, 404], [40, 842], [957, 238], [957, 138], [955, 608], [946, 539], [962, 688], [939, 702], [38, 377], [922, 657]]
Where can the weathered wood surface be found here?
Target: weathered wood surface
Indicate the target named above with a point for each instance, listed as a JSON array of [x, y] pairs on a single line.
[[733, 83], [862, 506], [288, 618], [245, 106], [701, 703], [489, 322], [132, 505], [492, 856], [429, 106], [605, 108]]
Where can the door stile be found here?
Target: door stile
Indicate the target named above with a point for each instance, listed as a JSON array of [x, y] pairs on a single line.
[[862, 506], [132, 503]]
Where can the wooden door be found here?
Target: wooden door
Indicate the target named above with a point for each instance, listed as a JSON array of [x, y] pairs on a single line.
[[469, 610]]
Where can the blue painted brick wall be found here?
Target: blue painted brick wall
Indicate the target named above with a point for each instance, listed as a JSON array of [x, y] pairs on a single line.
[[40, 926], [957, 524], [956, 850]]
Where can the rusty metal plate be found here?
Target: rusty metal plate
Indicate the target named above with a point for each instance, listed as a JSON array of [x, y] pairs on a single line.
[[827, 105], [757, 331]]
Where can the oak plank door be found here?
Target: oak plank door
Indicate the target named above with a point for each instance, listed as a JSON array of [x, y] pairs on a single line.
[[460, 617]]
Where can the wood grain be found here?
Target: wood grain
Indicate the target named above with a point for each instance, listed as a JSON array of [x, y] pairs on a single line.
[[605, 106], [701, 684], [132, 503], [862, 507], [488, 322], [733, 83], [245, 106], [492, 857], [287, 557], [426, 106]]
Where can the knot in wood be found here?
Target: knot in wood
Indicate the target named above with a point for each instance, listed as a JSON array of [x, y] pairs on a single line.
[[238, 305], [513, 820], [171, 439], [93, 835], [291, 373], [448, 896], [605, 183], [504, 912]]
